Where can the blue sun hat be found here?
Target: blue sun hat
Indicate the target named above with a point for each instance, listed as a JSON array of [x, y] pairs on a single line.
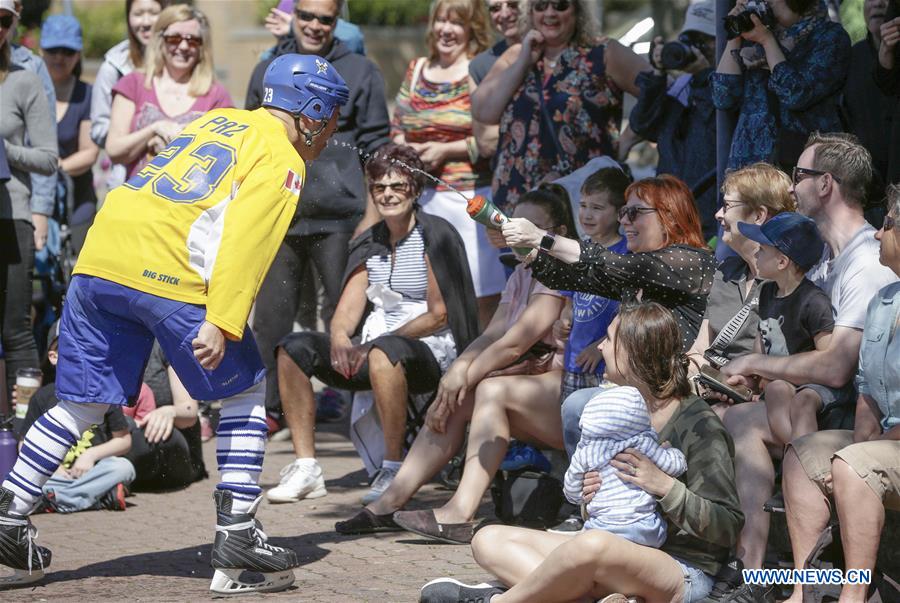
[[790, 233], [61, 31]]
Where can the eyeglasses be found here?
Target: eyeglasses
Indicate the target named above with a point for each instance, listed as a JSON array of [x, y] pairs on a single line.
[[888, 223], [498, 6], [799, 173], [6, 21], [174, 40], [727, 205], [66, 52], [379, 188], [633, 211], [558, 5], [305, 15]]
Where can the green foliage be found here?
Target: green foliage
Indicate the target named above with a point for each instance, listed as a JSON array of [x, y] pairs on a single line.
[[388, 12], [103, 25], [853, 20], [262, 9]]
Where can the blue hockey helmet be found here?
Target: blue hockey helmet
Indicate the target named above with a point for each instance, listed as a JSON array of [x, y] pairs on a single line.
[[304, 84]]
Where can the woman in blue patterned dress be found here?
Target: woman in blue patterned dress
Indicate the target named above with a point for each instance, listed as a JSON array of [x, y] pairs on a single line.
[[784, 81], [557, 97]]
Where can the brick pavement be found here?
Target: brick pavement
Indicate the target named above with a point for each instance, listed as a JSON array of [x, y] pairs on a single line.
[[158, 550]]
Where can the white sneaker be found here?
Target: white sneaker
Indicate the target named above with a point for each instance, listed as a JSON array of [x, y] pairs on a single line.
[[298, 481], [382, 480]]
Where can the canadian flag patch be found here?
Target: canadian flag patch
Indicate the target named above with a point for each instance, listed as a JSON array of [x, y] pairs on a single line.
[[293, 182]]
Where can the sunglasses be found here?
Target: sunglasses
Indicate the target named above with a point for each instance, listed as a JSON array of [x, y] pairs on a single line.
[[66, 52], [497, 7], [305, 15], [888, 224], [401, 188], [558, 5], [175, 40], [633, 211], [6, 21], [800, 173]]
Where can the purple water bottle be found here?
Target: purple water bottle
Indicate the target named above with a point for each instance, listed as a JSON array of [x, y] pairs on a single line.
[[9, 448]]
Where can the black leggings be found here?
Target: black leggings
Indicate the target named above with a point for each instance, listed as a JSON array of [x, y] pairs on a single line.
[[312, 353], [279, 296], [16, 275]]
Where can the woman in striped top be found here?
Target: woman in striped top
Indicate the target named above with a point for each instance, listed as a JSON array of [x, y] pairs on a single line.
[[410, 269], [433, 115]]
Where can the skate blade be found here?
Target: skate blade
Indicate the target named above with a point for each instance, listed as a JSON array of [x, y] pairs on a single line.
[[234, 581], [18, 577]]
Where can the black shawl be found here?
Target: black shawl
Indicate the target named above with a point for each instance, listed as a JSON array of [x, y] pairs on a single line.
[[447, 255]]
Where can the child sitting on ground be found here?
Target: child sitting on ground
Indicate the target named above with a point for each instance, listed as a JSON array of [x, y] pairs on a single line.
[[616, 419], [94, 473], [794, 316]]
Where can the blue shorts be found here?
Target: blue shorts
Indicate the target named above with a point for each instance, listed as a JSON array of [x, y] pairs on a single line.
[[106, 334]]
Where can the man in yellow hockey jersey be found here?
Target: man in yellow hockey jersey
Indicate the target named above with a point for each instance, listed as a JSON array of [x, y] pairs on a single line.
[[178, 254]]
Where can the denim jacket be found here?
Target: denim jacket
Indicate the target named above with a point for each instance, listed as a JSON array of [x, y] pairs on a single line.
[[878, 375]]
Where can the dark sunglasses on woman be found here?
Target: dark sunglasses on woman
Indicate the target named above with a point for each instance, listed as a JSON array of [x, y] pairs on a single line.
[[558, 5], [633, 211], [176, 40], [305, 15], [6, 21]]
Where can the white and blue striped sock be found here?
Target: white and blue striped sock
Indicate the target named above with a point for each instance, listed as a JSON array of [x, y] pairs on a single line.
[[45, 445], [241, 445]]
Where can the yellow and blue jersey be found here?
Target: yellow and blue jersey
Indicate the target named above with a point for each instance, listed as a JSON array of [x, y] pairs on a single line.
[[201, 223]]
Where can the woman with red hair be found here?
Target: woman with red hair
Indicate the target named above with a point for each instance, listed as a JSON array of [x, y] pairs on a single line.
[[669, 262]]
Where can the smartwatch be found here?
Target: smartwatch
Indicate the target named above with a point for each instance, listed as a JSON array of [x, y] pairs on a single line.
[[547, 242]]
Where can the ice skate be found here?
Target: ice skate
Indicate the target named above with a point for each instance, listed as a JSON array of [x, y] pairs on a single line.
[[17, 549], [243, 560]]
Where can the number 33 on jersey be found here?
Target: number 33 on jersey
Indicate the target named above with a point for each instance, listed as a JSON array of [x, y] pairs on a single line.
[[201, 223]]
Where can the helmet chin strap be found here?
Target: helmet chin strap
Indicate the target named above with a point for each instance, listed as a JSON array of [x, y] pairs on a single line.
[[309, 136]]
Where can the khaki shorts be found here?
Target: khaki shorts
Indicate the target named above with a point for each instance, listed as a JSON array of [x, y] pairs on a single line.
[[876, 462]]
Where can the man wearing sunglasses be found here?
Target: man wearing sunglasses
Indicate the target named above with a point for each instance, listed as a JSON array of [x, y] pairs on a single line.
[[505, 19], [830, 182], [336, 199]]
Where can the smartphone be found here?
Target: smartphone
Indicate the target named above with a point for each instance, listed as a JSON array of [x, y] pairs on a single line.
[[715, 381]]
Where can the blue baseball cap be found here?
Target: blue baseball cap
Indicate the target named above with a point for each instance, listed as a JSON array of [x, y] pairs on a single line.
[[790, 233], [61, 31]]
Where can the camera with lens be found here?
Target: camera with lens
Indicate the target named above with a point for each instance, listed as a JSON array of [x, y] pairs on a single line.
[[740, 23], [678, 54]]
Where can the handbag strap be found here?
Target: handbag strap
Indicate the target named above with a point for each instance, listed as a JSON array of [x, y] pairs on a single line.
[[417, 71], [727, 334]]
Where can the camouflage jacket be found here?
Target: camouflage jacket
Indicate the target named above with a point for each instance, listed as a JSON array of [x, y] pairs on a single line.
[[702, 508]]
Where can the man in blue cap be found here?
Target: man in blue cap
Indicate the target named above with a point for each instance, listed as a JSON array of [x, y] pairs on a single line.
[[178, 254]]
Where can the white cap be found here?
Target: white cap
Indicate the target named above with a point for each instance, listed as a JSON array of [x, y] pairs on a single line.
[[9, 5], [701, 16]]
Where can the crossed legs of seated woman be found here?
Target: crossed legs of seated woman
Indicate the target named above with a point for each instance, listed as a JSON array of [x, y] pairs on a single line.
[[501, 407]]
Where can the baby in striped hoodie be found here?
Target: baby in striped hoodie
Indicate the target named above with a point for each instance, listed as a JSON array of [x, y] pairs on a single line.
[[617, 418]]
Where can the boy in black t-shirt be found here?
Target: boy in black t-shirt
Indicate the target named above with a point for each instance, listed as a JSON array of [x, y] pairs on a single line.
[[794, 316], [94, 473]]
